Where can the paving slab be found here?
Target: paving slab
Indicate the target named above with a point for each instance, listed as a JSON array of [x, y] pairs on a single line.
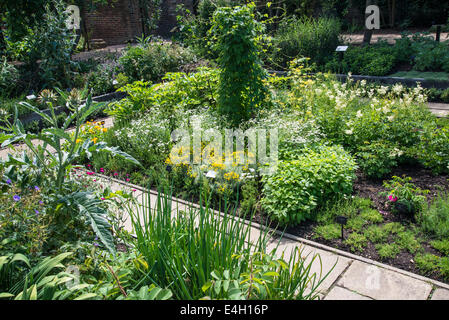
[[339, 293], [440, 294], [383, 284]]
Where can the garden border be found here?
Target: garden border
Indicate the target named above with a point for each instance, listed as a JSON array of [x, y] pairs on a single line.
[[292, 237]]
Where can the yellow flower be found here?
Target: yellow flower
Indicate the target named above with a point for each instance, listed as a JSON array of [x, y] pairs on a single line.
[[95, 140], [104, 129], [78, 140]]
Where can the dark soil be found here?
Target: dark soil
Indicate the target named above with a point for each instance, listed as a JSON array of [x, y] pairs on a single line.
[[367, 188]]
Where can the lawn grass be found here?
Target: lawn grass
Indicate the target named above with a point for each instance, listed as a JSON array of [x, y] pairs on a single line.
[[439, 76]]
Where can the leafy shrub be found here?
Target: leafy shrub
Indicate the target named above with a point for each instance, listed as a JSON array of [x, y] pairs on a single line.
[[52, 44], [241, 90], [377, 159], [435, 219], [441, 245], [297, 186], [179, 91], [404, 196], [307, 37], [374, 60], [151, 61], [9, 76]]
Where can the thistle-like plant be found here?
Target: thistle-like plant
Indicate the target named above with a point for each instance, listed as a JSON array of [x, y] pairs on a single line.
[[55, 162]]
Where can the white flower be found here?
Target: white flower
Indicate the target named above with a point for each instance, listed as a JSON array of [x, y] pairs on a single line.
[[350, 131], [359, 114]]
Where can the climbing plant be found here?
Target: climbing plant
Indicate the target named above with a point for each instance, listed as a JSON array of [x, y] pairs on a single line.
[[237, 40]]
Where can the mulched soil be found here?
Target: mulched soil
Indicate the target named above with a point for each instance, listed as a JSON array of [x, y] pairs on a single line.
[[367, 188]]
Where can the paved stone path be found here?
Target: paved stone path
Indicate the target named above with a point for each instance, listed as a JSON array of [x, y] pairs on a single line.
[[389, 36]]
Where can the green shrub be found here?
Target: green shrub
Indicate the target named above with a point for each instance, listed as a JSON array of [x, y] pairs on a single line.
[[376, 159], [373, 60], [152, 60], [407, 241], [435, 219], [403, 196], [297, 186], [305, 37], [9, 76], [241, 90]]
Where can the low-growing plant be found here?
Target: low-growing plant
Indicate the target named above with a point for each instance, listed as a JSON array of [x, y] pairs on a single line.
[[356, 241], [441, 245], [328, 231], [388, 251]]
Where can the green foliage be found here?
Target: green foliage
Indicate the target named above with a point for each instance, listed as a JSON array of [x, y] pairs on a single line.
[[150, 61], [241, 90], [304, 37], [9, 76], [429, 263], [441, 245], [183, 252], [388, 251], [435, 219], [407, 241], [356, 223], [404, 196], [297, 186], [371, 215], [376, 234], [249, 195], [52, 44], [373, 60], [179, 91], [356, 241], [377, 159], [328, 231]]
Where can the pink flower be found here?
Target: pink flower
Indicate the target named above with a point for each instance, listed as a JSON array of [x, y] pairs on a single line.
[[102, 198], [95, 180], [90, 173], [134, 190], [392, 198], [101, 170], [115, 174], [89, 165], [127, 180]]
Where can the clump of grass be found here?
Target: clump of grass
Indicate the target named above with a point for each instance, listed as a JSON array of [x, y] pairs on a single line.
[[435, 220]]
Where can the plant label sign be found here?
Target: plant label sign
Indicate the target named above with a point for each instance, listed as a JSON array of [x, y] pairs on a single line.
[[341, 48], [73, 19]]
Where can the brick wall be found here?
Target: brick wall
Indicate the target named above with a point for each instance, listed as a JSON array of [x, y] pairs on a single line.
[[120, 21]]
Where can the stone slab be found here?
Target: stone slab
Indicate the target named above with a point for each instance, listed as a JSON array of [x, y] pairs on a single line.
[[339, 293], [440, 294], [382, 284]]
